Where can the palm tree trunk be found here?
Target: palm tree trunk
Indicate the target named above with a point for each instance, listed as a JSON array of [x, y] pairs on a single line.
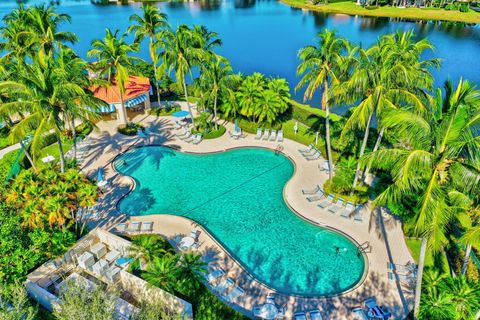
[[362, 151], [327, 127], [74, 136], [188, 103], [466, 259], [215, 112], [154, 62], [418, 288], [375, 148], [122, 112], [28, 155], [62, 156]]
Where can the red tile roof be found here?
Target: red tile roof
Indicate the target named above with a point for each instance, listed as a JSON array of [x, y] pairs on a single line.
[[135, 86]]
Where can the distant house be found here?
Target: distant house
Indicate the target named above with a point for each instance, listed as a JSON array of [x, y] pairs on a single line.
[[136, 98]]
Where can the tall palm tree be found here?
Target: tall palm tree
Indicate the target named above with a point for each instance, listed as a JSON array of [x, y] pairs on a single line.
[[191, 269], [114, 58], [162, 272], [438, 147], [318, 67], [249, 93], [149, 24], [216, 73]]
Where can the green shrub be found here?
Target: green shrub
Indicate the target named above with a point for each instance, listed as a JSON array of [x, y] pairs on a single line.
[[213, 134], [168, 110], [6, 164], [4, 138], [131, 129]]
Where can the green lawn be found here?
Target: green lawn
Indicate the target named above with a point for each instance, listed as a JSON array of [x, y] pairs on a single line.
[[351, 8], [53, 151], [414, 248]]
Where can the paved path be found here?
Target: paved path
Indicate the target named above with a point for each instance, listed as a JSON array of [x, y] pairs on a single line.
[[382, 230], [6, 150]]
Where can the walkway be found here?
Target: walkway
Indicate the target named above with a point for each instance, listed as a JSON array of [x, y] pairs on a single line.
[[8, 149], [383, 231]]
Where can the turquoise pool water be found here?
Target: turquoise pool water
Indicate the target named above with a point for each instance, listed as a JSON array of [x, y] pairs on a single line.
[[238, 196]]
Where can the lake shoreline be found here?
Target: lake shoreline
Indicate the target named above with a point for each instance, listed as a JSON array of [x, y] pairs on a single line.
[[350, 8]]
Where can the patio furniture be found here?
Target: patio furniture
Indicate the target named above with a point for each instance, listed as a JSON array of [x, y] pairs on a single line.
[[315, 315], [280, 136], [112, 273], [408, 279], [234, 294], [300, 316], [214, 275], [266, 311], [198, 138], [315, 156], [100, 267], [258, 136], [223, 285], [311, 191], [134, 226], [266, 134], [320, 194], [359, 314], [407, 268], [98, 250], [111, 256], [326, 202], [48, 158], [308, 150], [186, 243], [336, 206], [187, 137], [347, 211], [146, 226], [86, 260], [358, 216], [121, 227], [273, 135]]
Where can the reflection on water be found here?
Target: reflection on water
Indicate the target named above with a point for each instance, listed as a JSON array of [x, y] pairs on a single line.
[[266, 35]]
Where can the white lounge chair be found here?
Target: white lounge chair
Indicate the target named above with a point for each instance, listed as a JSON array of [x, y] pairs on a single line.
[[186, 136], [198, 138], [358, 216], [146, 226], [407, 268], [405, 278], [223, 285], [182, 134], [273, 135], [311, 191], [234, 294], [121, 227], [259, 134], [214, 275], [328, 201], [336, 206], [266, 134], [315, 315], [134, 226], [318, 196], [359, 314], [315, 156], [347, 211], [308, 150], [300, 316], [280, 136]]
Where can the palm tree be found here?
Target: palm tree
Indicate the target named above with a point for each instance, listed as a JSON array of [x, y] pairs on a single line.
[[318, 68], [472, 235], [191, 271], [144, 249], [113, 57], [436, 153], [162, 272], [216, 73], [249, 93], [152, 22], [386, 76]]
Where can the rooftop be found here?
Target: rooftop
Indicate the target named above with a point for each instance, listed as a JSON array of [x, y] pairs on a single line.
[[134, 87]]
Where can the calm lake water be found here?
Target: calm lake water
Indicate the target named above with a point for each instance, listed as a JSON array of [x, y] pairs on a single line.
[[265, 36]]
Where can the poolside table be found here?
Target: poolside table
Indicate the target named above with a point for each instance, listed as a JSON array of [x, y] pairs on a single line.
[[267, 311], [186, 242], [98, 250]]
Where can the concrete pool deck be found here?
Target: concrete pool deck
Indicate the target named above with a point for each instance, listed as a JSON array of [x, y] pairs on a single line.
[[381, 230]]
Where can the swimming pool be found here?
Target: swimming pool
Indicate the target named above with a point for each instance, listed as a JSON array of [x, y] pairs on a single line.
[[237, 196]]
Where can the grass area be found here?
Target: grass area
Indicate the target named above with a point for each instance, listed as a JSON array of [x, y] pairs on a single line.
[[413, 245], [6, 164], [351, 8], [214, 133], [4, 138], [53, 151]]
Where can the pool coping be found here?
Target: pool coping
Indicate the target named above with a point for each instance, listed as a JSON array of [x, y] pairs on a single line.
[[210, 234]]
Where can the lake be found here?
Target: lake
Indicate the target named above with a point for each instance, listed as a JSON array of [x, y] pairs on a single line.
[[265, 36]]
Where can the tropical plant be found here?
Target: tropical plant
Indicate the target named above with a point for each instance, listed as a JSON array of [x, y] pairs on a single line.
[[318, 67], [144, 248], [149, 24], [81, 302], [191, 269], [155, 310], [436, 152], [162, 272], [14, 303], [114, 59]]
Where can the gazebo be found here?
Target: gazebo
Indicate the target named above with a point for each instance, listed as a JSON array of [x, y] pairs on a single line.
[[136, 97]]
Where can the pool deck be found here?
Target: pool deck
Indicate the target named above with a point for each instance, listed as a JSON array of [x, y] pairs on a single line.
[[382, 230]]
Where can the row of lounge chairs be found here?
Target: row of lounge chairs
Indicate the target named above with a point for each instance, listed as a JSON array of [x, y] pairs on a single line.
[[181, 124], [187, 136], [268, 135], [371, 310], [134, 226], [225, 287], [329, 203], [314, 315], [311, 153]]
